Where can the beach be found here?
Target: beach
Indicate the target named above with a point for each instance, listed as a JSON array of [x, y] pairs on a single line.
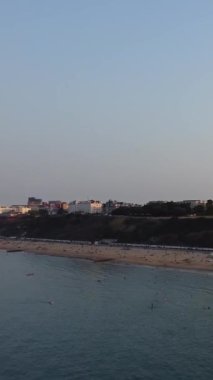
[[171, 258]]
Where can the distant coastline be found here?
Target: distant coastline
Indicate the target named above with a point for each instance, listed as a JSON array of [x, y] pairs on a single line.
[[167, 257]]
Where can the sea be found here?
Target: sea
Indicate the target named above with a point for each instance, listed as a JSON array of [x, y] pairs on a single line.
[[64, 318]]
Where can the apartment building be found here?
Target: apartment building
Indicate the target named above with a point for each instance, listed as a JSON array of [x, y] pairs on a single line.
[[85, 207]]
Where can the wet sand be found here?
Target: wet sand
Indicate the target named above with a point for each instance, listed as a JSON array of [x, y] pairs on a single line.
[[171, 258]]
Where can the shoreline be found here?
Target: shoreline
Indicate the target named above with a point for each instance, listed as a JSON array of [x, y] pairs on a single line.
[[166, 257]]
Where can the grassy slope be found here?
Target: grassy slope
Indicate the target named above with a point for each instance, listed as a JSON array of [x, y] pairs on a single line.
[[196, 232]]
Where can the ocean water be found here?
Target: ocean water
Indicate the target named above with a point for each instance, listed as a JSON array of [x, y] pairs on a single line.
[[74, 319]]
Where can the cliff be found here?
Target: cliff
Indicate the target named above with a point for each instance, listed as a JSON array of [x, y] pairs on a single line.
[[171, 231]]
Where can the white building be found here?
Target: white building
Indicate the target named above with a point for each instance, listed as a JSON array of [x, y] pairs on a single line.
[[20, 209], [5, 209], [85, 207]]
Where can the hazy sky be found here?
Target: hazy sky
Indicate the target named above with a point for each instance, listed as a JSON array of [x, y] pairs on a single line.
[[106, 99]]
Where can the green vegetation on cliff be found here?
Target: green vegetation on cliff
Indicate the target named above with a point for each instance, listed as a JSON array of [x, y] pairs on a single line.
[[172, 231]]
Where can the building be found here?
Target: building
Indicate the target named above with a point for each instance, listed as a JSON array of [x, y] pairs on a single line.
[[111, 206], [34, 202], [85, 207], [194, 203], [54, 207], [64, 206], [20, 209], [5, 210], [73, 207]]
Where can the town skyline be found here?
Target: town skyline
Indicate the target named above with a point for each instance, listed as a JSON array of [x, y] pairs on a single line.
[[79, 199], [40, 201], [36, 207]]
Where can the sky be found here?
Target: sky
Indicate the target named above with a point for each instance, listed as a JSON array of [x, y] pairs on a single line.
[[106, 99]]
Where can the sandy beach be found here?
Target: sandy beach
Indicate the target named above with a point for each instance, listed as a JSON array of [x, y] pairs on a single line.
[[184, 259]]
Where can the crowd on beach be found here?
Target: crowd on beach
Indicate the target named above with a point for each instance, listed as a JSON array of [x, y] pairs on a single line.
[[111, 243], [99, 251]]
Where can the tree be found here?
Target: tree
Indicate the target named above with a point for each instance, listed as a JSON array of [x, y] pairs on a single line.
[[199, 210], [209, 207]]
